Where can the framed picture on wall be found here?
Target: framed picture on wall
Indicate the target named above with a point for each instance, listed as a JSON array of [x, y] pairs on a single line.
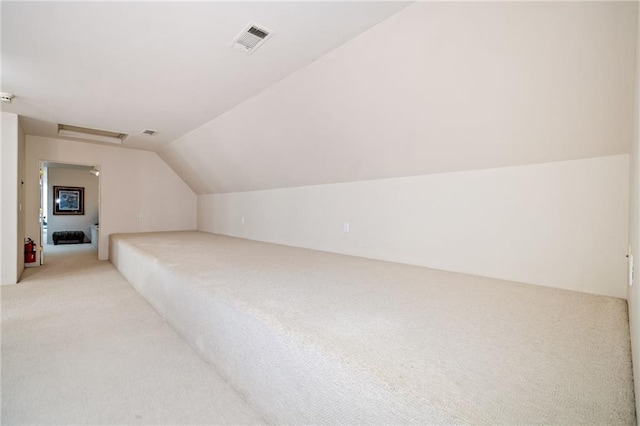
[[68, 200]]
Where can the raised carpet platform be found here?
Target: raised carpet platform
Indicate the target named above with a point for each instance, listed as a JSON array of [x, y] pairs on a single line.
[[314, 337]]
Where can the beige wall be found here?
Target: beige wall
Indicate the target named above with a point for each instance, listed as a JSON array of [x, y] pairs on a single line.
[[634, 226], [22, 165], [560, 224], [438, 87], [132, 183], [9, 205], [72, 177]]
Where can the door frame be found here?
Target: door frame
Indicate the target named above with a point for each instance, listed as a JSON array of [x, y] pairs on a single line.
[[42, 164]]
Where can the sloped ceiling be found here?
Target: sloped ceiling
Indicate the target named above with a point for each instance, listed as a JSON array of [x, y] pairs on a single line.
[[167, 66], [437, 87]]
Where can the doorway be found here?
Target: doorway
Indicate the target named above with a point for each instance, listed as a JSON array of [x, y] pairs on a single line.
[[69, 208]]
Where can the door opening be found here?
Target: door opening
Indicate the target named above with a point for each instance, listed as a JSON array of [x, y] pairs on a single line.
[[69, 209]]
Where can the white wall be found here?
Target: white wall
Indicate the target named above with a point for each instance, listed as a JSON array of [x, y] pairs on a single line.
[[22, 172], [560, 224], [3, 204], [72, 177], [9, 147], [633, 293], [133, 183]]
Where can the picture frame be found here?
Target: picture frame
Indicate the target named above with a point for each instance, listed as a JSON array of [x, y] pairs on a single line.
[[68, 200]]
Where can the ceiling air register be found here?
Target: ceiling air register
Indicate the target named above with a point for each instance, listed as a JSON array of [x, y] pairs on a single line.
[[251, 37]]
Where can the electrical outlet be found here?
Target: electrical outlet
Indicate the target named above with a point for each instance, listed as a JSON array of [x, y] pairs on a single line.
[[346, 227], [242, 220]]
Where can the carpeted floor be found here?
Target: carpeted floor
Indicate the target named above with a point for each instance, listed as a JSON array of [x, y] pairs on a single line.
[[319, 338], [80, 346]]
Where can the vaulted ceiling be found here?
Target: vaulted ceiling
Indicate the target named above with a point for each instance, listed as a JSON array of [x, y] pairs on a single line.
[[344, 91], [167, 66], [438, 87]]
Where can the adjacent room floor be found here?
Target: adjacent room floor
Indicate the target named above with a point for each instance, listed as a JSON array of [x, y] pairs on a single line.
[[80, 346]]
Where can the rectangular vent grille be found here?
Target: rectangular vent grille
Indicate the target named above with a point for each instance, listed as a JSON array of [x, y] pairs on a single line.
[[251, 37], [149, 132], [90, 134]]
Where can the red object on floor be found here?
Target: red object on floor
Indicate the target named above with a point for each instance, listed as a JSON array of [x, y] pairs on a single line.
[[29, 251]]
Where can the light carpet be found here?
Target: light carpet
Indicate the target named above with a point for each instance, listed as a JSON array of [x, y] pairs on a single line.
[[314, 337], [80, 346]]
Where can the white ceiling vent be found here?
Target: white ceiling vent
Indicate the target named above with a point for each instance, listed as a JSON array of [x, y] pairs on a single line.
[[251, 37]]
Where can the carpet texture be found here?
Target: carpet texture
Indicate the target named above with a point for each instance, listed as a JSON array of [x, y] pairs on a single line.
[[80, 346], [313, 337]]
